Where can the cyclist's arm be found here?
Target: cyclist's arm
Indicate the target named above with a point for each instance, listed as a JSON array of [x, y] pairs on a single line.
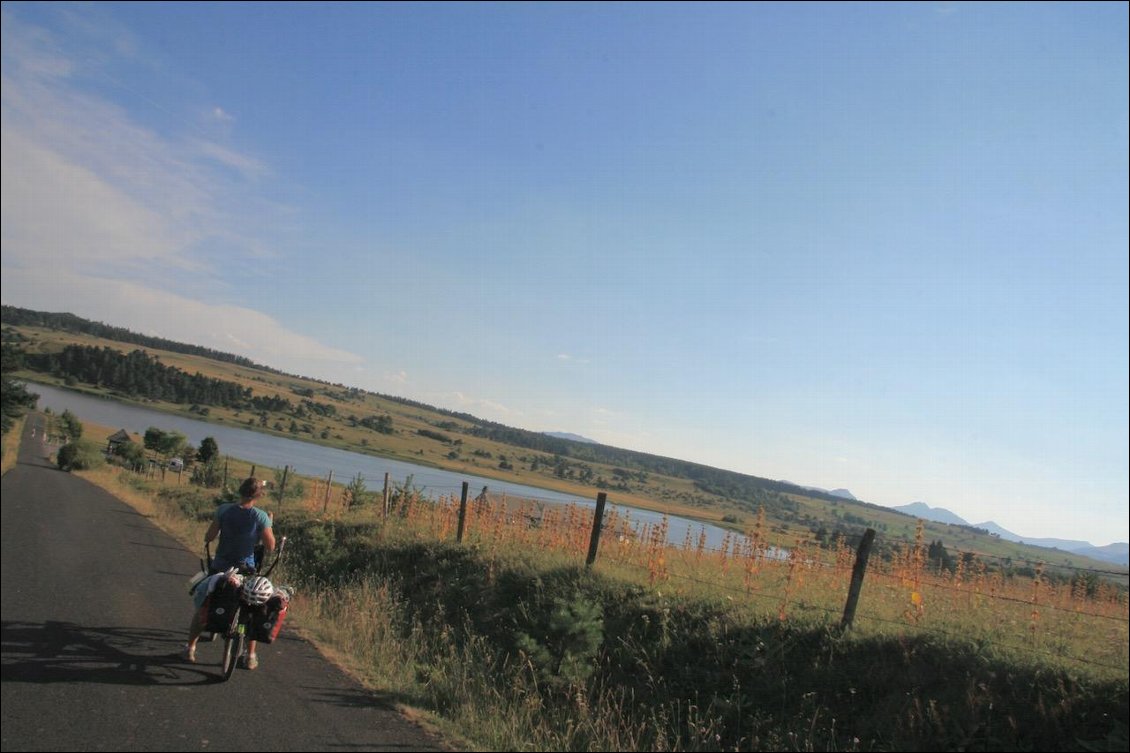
[[268, 539], [212, 532]]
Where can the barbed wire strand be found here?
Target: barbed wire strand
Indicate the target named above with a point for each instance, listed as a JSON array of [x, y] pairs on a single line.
[[1002, 597]]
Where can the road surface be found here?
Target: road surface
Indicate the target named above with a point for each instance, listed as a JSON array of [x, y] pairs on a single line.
[[95, 611]]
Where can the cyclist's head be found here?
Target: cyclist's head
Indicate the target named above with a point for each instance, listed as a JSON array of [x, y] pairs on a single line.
[[257, 590], [252, 488]]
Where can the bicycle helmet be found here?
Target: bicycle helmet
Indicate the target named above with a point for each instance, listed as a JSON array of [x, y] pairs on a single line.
[[256, 590]]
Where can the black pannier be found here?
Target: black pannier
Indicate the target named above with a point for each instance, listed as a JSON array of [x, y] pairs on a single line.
[[221, 607]]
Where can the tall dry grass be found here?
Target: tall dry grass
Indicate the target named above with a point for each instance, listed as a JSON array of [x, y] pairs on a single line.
[[11, 449]]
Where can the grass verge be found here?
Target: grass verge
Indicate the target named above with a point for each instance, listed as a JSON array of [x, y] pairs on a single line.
[[11, 445]]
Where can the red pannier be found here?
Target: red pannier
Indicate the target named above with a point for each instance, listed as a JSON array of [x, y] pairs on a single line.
[[267, 620]]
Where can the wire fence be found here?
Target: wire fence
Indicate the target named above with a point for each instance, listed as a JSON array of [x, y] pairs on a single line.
[[1078, 616]]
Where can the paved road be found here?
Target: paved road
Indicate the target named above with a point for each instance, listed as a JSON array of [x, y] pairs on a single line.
[[94, 611]]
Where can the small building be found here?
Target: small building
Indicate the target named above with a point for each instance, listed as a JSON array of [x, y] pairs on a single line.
[[115, 440]]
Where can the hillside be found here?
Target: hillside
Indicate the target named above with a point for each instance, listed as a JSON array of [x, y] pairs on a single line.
[[224, 389]]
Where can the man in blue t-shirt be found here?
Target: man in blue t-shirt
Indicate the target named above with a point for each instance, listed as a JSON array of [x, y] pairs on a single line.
[[241, 528]]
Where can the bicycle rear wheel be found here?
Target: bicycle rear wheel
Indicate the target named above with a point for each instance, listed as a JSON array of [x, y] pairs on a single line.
[[233, 647]]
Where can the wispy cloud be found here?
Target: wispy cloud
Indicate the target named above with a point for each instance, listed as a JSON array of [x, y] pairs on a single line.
[[84, 165], [249, 167], [107, 218], [34, 52], [60, 213], [478, 406], [220, 114]]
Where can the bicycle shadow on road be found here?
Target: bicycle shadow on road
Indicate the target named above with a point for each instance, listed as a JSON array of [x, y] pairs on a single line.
[[55, 651]]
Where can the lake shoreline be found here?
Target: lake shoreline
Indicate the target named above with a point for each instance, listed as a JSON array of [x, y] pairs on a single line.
[[275, 449]]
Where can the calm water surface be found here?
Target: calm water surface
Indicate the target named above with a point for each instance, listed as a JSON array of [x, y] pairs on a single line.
[[315, 460]]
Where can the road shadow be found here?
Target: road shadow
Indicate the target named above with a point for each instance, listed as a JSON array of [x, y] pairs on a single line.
[[134, 513], [39, 462], [52, 652], [364, 698]]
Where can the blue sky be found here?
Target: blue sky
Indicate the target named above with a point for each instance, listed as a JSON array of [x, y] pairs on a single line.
[[873, 246]]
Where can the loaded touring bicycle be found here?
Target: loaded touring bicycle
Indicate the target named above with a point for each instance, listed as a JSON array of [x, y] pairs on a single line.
[[241, 605]]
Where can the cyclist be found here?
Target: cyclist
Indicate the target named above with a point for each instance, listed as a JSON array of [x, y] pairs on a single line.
[[242, 527]]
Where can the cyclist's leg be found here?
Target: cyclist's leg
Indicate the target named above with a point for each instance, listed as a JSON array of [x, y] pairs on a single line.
[[249, 660], [195, 628]]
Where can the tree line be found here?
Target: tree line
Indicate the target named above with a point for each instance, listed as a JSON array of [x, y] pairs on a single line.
[[140, 375], [15, 400]]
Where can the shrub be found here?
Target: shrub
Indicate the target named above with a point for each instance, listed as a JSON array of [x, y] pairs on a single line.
[[437, 436], [209, 474], [69, 425], [563, 642], [81, 455], [194, 504], [132, 455]]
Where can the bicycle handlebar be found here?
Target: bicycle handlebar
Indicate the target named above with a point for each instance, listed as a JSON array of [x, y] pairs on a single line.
[[206, 563], [278, 556]]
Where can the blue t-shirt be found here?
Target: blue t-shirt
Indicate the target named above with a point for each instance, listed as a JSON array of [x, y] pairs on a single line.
[[240, 531]]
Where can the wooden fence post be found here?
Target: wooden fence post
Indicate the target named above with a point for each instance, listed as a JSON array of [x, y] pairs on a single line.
[[857, 572], [462, 513], [282, 485], [597, 524], [386, 495], [329, 487]]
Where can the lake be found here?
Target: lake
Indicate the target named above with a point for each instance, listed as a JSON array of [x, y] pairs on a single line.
[[310, 459]]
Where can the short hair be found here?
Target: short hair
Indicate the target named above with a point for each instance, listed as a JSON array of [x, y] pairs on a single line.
[[251, 488]]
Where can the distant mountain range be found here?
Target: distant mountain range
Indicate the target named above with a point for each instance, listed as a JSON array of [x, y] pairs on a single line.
[[841, 493], [936, 514], [1068, 545], [567, 435], [1118, 553]]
